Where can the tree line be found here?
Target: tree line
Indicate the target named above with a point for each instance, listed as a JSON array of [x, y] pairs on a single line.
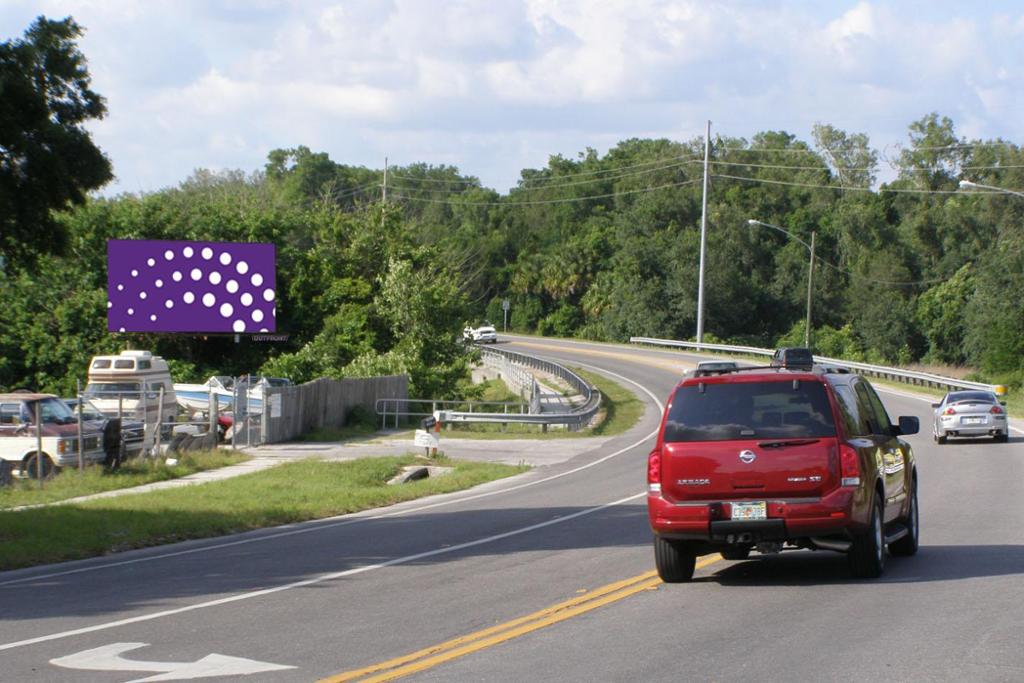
[[599, 246]]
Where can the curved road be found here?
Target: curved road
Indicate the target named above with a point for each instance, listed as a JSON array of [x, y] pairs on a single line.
[[544, 577]]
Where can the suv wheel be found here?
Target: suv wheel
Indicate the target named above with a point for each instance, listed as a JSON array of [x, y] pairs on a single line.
[[674, 559], [908, 544], [867, 556]]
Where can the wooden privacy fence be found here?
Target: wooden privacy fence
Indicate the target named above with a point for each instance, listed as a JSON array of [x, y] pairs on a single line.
[[289, 412]]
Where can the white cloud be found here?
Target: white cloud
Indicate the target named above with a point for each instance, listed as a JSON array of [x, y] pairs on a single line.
[[495, 86]]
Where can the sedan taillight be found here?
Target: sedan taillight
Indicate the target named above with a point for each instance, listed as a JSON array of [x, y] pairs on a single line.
[[949, 411], [996, 410]]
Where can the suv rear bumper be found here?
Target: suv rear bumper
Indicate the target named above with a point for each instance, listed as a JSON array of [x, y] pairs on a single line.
[[787, 519]]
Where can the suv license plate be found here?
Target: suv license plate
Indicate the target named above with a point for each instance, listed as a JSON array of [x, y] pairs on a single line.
[[756, 510]]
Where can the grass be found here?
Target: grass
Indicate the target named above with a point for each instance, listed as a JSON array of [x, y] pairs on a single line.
[[325, 434], [70, 483], [620, 410], [495, 390], [293, 492]]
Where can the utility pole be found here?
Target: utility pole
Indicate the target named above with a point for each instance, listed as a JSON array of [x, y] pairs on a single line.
[[384, 193], [810, 275], [703, 237]]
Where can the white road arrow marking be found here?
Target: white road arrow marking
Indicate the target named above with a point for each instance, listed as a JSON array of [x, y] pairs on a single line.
[[108, 658]]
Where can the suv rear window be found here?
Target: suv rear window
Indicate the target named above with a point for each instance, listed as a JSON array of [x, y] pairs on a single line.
[[750, 410]]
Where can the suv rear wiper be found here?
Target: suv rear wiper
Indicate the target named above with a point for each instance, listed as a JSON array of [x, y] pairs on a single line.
[[784, 444]]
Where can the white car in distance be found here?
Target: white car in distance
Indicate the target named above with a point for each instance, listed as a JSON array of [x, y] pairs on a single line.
[[484, 334]]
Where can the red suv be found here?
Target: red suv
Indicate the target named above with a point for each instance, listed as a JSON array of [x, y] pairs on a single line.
[[780, 457]]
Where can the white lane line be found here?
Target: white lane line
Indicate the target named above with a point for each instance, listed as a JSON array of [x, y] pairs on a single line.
[[349, 572], [357, 517], [315, 580]]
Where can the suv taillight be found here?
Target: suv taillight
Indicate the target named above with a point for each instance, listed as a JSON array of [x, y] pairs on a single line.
[[654, 471], [996, 410], [849, 465]]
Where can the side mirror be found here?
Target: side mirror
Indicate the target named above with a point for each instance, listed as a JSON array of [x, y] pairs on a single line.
[[936, 405], [1002, 403], [909, 424]]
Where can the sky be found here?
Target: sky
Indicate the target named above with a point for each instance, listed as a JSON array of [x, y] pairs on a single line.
[[496, 86]]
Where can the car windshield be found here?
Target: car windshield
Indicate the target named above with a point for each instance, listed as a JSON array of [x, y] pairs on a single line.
[[749, 410], [51, 410], [89, 410], [970, 397], [112, 389]]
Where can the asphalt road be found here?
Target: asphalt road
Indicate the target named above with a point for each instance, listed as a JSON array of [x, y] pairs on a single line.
[[513, 581]]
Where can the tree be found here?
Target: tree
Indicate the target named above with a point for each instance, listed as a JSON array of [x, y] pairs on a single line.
[[47, 158], [850, 156], [935, 155]]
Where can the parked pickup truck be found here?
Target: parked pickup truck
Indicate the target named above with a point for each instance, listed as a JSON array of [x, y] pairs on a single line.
[[59, 434]]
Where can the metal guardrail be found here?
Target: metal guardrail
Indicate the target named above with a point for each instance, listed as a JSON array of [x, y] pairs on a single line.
[[574, 419], [549, 367], [881, 371], [393, 409]]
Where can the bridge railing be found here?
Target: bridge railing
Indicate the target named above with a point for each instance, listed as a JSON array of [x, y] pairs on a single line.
[[893, 374], [574, 418]]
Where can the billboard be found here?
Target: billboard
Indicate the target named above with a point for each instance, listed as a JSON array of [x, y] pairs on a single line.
[[190, 286]]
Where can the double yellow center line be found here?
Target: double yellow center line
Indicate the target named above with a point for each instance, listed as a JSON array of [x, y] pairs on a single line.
[[463, 645]]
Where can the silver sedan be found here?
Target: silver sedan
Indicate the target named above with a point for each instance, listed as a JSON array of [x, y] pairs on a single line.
[[970, 414]]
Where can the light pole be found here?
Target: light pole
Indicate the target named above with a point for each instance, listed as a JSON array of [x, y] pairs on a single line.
[[810, 271], [968, 185], [703, 238]]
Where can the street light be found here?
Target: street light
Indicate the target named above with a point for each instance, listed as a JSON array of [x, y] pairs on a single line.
[[810, 271], [968, 185]]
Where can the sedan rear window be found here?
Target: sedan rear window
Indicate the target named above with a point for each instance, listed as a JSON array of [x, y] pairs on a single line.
[[750, 410], [970, 397]]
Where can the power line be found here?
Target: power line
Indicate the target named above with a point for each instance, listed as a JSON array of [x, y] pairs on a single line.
[[966, 145], [345, 193], [836, 268], [835, 187], [453, 181], [555, 185], [564, 200], [609, 170]]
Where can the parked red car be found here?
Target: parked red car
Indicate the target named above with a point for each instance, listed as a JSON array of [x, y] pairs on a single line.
[[777, 458]]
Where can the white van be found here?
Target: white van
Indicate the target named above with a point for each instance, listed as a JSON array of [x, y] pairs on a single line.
[[131, 382]]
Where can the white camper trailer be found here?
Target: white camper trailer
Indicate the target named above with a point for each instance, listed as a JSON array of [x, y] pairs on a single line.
[[138, 385]]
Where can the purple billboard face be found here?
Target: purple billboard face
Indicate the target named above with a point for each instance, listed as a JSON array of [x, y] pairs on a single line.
[[172, 286]]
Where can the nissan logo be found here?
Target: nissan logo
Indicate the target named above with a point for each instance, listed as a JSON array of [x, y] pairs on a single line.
[[748, 456]]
